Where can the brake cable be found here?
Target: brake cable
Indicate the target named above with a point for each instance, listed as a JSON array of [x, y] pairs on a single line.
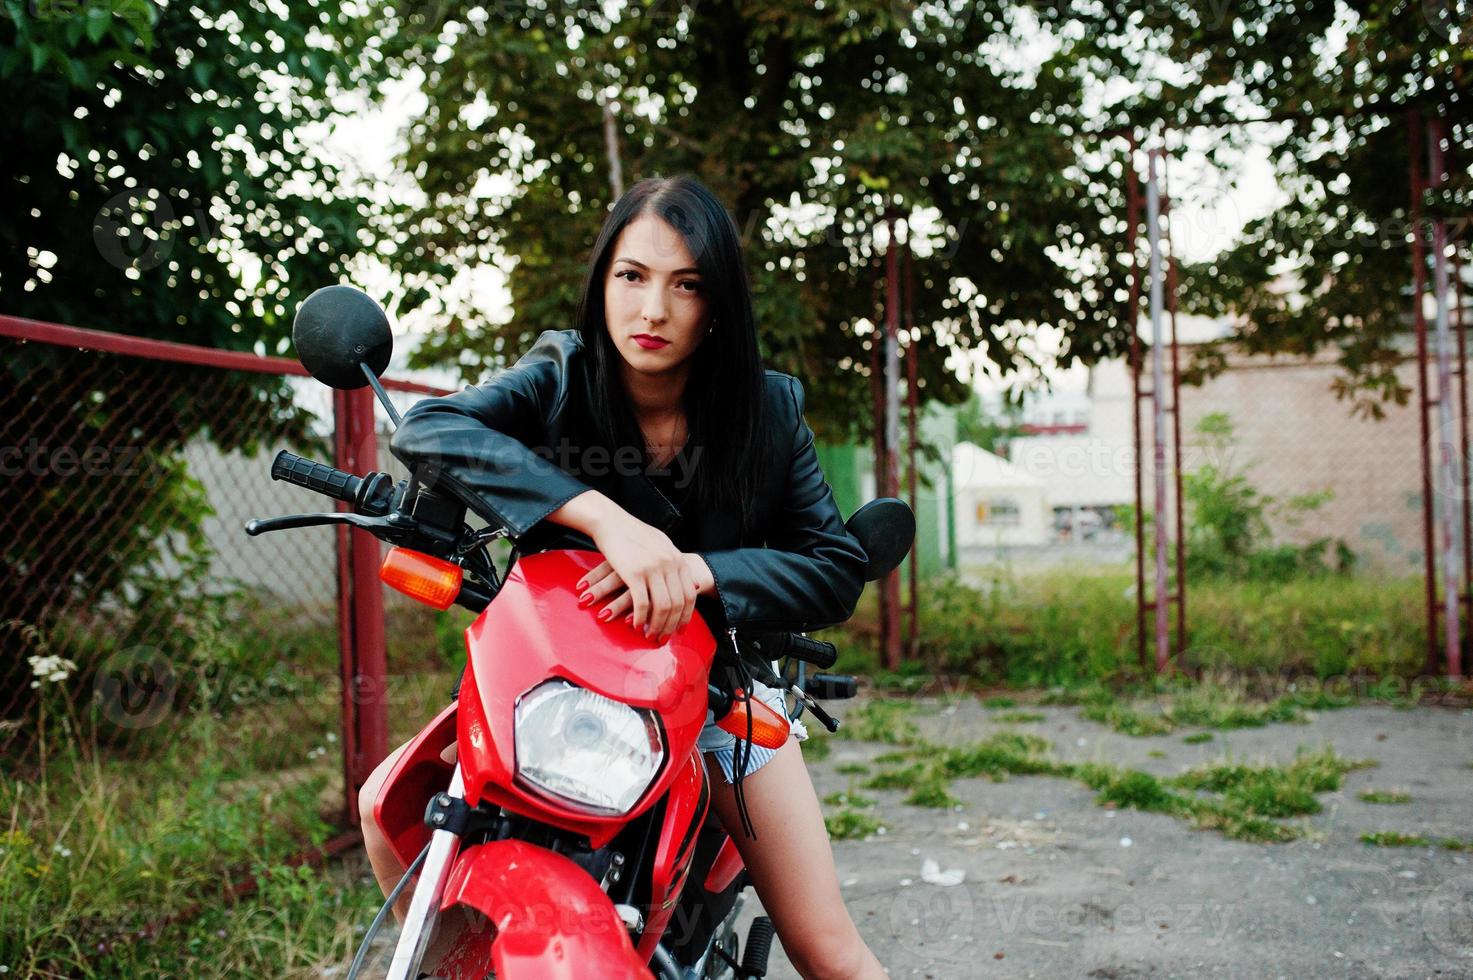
[[378, 920]]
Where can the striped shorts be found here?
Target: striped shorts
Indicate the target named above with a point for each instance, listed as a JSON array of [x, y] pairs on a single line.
[[723, 744]]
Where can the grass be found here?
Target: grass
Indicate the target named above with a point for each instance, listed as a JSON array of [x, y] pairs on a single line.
[[1395, 838], [885, 721], [852, 769], [1071, 629], [848, 798], [1383, 796], [1241, 800], [851, 825], [1197, 738], [103, 837], [1018, 717], [1219, 702], [816, 747]]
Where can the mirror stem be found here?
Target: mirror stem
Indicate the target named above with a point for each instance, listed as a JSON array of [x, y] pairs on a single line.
[[383, 396]]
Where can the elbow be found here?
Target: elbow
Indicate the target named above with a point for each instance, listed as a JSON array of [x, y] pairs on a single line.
[[848, 580]]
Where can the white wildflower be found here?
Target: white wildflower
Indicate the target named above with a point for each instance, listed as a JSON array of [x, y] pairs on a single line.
[[50, 669]]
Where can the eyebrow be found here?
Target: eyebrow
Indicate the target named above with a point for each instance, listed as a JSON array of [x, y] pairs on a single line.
[[640, 265]]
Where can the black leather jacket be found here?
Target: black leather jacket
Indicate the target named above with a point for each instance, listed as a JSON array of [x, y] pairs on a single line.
[[510, 448]]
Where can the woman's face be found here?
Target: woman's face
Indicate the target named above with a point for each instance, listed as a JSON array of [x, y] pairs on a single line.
[[654, 305]]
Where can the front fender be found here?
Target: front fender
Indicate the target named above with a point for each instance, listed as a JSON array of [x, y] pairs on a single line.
[[551, 921]]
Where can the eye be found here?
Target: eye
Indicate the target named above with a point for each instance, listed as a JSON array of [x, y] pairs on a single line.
[[629, 275], [691, 286]]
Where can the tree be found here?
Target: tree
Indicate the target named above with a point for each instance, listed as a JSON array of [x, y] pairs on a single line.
[[1332, 268], [813, 122], [160, 182]]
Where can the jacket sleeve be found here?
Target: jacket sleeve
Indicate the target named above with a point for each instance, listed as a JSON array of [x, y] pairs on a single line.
[[814, 579], [479, 443]]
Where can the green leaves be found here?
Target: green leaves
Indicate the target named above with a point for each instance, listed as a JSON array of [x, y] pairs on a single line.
[[809, 124]]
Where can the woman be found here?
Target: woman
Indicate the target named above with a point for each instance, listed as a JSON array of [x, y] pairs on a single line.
[[652, 434]]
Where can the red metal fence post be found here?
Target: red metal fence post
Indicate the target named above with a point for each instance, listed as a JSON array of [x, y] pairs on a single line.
[[1424, 401], [890, 584], [360, 607]]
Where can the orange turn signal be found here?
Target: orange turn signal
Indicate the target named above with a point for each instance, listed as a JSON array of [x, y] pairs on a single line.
[[769, 729], [433, 581]]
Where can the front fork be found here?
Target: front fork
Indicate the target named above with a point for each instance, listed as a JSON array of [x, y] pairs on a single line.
[[424, 907]]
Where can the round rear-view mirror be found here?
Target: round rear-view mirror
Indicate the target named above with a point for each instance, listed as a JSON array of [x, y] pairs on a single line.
[[886, 528], [339, 328]]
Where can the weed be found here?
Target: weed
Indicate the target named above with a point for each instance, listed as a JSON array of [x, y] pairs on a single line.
[[907, 778], [1383, 796], [850, 824], [816, 747], [1197, 738], [1018, 717], [1394, 838], [932, 794], [881, 721], [848, 798]]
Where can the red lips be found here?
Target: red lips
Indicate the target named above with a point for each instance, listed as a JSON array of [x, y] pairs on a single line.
[[650, 342]]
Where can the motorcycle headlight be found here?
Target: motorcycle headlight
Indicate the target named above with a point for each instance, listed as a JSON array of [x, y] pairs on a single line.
[[588, 751]]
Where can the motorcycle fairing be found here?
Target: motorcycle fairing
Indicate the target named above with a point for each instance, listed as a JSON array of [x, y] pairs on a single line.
[[535, 631], [550, 919], [418, 774], [684, 815]]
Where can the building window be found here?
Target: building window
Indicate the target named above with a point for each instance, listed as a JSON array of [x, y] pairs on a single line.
[[999, 512]]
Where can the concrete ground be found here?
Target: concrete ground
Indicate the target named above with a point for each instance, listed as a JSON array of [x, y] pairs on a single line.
[[1057, 886]]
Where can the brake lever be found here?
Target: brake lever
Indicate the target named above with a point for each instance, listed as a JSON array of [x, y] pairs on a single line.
[[814, 708], [269, 524]]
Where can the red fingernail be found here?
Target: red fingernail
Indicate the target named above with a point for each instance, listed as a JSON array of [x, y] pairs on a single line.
[[605, 616], [581, 586], [585, 598], [629, 620]]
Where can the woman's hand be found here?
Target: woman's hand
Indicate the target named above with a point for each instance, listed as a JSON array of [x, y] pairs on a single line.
[[650, 580], [647, 578]]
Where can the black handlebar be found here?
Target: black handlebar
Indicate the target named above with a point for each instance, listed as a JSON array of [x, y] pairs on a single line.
[[326, 480], [367, 495], [777, 645]]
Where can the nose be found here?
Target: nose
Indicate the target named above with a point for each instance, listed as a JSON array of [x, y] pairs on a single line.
[[654, 312]]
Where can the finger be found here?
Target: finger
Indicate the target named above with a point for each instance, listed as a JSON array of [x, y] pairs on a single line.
[[618, 608], [659, 612], [639, 593], [593, 576], [603, 588], [679, 597], [688, 590]]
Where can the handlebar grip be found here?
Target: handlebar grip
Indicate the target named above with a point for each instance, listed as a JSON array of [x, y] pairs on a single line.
[[822, 655], [324, 479], [831, 687]]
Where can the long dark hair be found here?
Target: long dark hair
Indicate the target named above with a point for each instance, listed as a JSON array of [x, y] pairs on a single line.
[[724, 394]]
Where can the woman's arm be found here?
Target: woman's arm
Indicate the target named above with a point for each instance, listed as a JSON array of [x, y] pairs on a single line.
[[813, 574], [481, 443]]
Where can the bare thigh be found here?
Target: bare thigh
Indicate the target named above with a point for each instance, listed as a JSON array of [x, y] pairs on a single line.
[[792, 866]]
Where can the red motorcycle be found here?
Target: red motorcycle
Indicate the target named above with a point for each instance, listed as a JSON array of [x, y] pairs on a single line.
[[572, 836]]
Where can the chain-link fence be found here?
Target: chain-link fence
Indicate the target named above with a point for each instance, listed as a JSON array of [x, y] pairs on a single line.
[[171, 700]]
